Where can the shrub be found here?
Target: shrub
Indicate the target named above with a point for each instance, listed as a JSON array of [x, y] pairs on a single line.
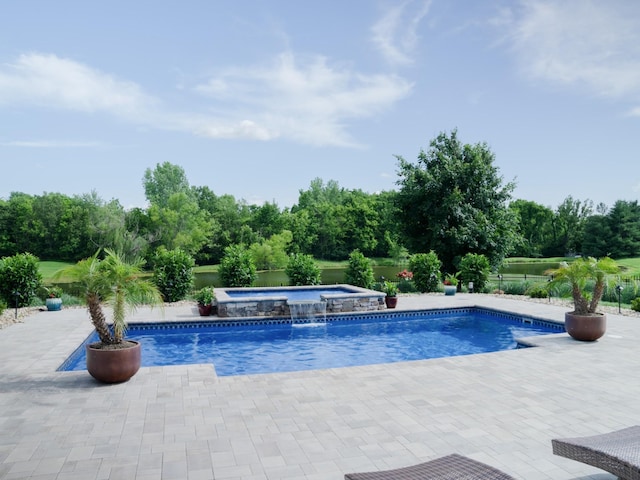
[[303, 270], [19, 275], [406, 286], [511, 288], [359, 271], [635, 304], [629, 291], [3, 306], [538, 291], [426, 271], [237, 268], [475, 268], [173, 273]]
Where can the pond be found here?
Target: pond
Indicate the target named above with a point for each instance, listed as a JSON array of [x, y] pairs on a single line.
[[330, 276], [527, 268]]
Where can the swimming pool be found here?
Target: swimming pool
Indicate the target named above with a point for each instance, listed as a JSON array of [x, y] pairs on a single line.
[[241, 347]]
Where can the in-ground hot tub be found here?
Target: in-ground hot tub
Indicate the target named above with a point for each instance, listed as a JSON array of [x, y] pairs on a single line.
[[274, 301]]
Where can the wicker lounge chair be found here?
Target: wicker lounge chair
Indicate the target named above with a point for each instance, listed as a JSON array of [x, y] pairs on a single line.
[[616, 452], [451, 467]]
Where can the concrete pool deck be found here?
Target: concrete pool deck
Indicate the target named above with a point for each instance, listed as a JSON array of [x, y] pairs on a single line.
[[183, 422]]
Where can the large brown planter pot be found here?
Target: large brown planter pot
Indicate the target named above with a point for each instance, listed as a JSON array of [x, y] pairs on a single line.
[[113, 366], [205, 310], [587, 327], [391, 302]]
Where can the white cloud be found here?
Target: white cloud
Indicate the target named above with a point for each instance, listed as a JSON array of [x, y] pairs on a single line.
[[395, 34], [594, 46], [51, 81], [307, 101]]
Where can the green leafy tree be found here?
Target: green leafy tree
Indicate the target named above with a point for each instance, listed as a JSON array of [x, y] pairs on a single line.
[[598, 237], [299, 223], [389, 230], [568, 226], [237, 268], [173, 273], [272, 254], [63, 224], [426, 271], [475, 268], [361, 222], [181, 224], [302, 269], [624, 223], [228, 221], [535, 225], [21, 230], [329, 221], [359, 271], [20, 279], [453, 202], [325, 215], [108, 228], [164, 181], [266, 220]]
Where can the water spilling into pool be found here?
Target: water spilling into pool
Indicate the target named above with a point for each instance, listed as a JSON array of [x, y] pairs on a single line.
[[248, 347], [308, 312]]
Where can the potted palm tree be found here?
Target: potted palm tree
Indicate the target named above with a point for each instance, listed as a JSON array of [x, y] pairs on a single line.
[[115, 282], [587, 278]]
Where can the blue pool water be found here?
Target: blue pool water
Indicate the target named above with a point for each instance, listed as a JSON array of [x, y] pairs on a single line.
[[291, 293], [239, 348]]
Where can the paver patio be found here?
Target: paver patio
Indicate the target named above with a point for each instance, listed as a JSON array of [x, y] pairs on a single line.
[[183, 422]]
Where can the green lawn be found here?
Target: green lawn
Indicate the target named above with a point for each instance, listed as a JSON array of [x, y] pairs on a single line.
[[631, 265], [48, 268]]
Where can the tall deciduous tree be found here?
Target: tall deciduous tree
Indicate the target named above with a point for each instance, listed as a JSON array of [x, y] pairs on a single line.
[[624, 222], [568, 226], [181, 224], [453, 201], [535, 224], [163, 182]]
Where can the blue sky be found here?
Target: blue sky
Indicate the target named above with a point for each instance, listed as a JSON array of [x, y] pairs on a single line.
[[257, 98]]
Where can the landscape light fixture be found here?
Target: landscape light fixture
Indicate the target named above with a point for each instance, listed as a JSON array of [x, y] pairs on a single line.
[[619, 289], [16, 294]]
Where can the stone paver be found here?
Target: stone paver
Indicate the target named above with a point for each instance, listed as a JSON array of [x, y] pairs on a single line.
[[183, 422]]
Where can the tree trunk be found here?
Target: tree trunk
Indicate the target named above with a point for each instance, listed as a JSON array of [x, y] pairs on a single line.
[[98, 319]]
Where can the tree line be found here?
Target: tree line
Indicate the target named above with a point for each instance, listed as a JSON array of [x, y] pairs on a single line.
[[452, 200]]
